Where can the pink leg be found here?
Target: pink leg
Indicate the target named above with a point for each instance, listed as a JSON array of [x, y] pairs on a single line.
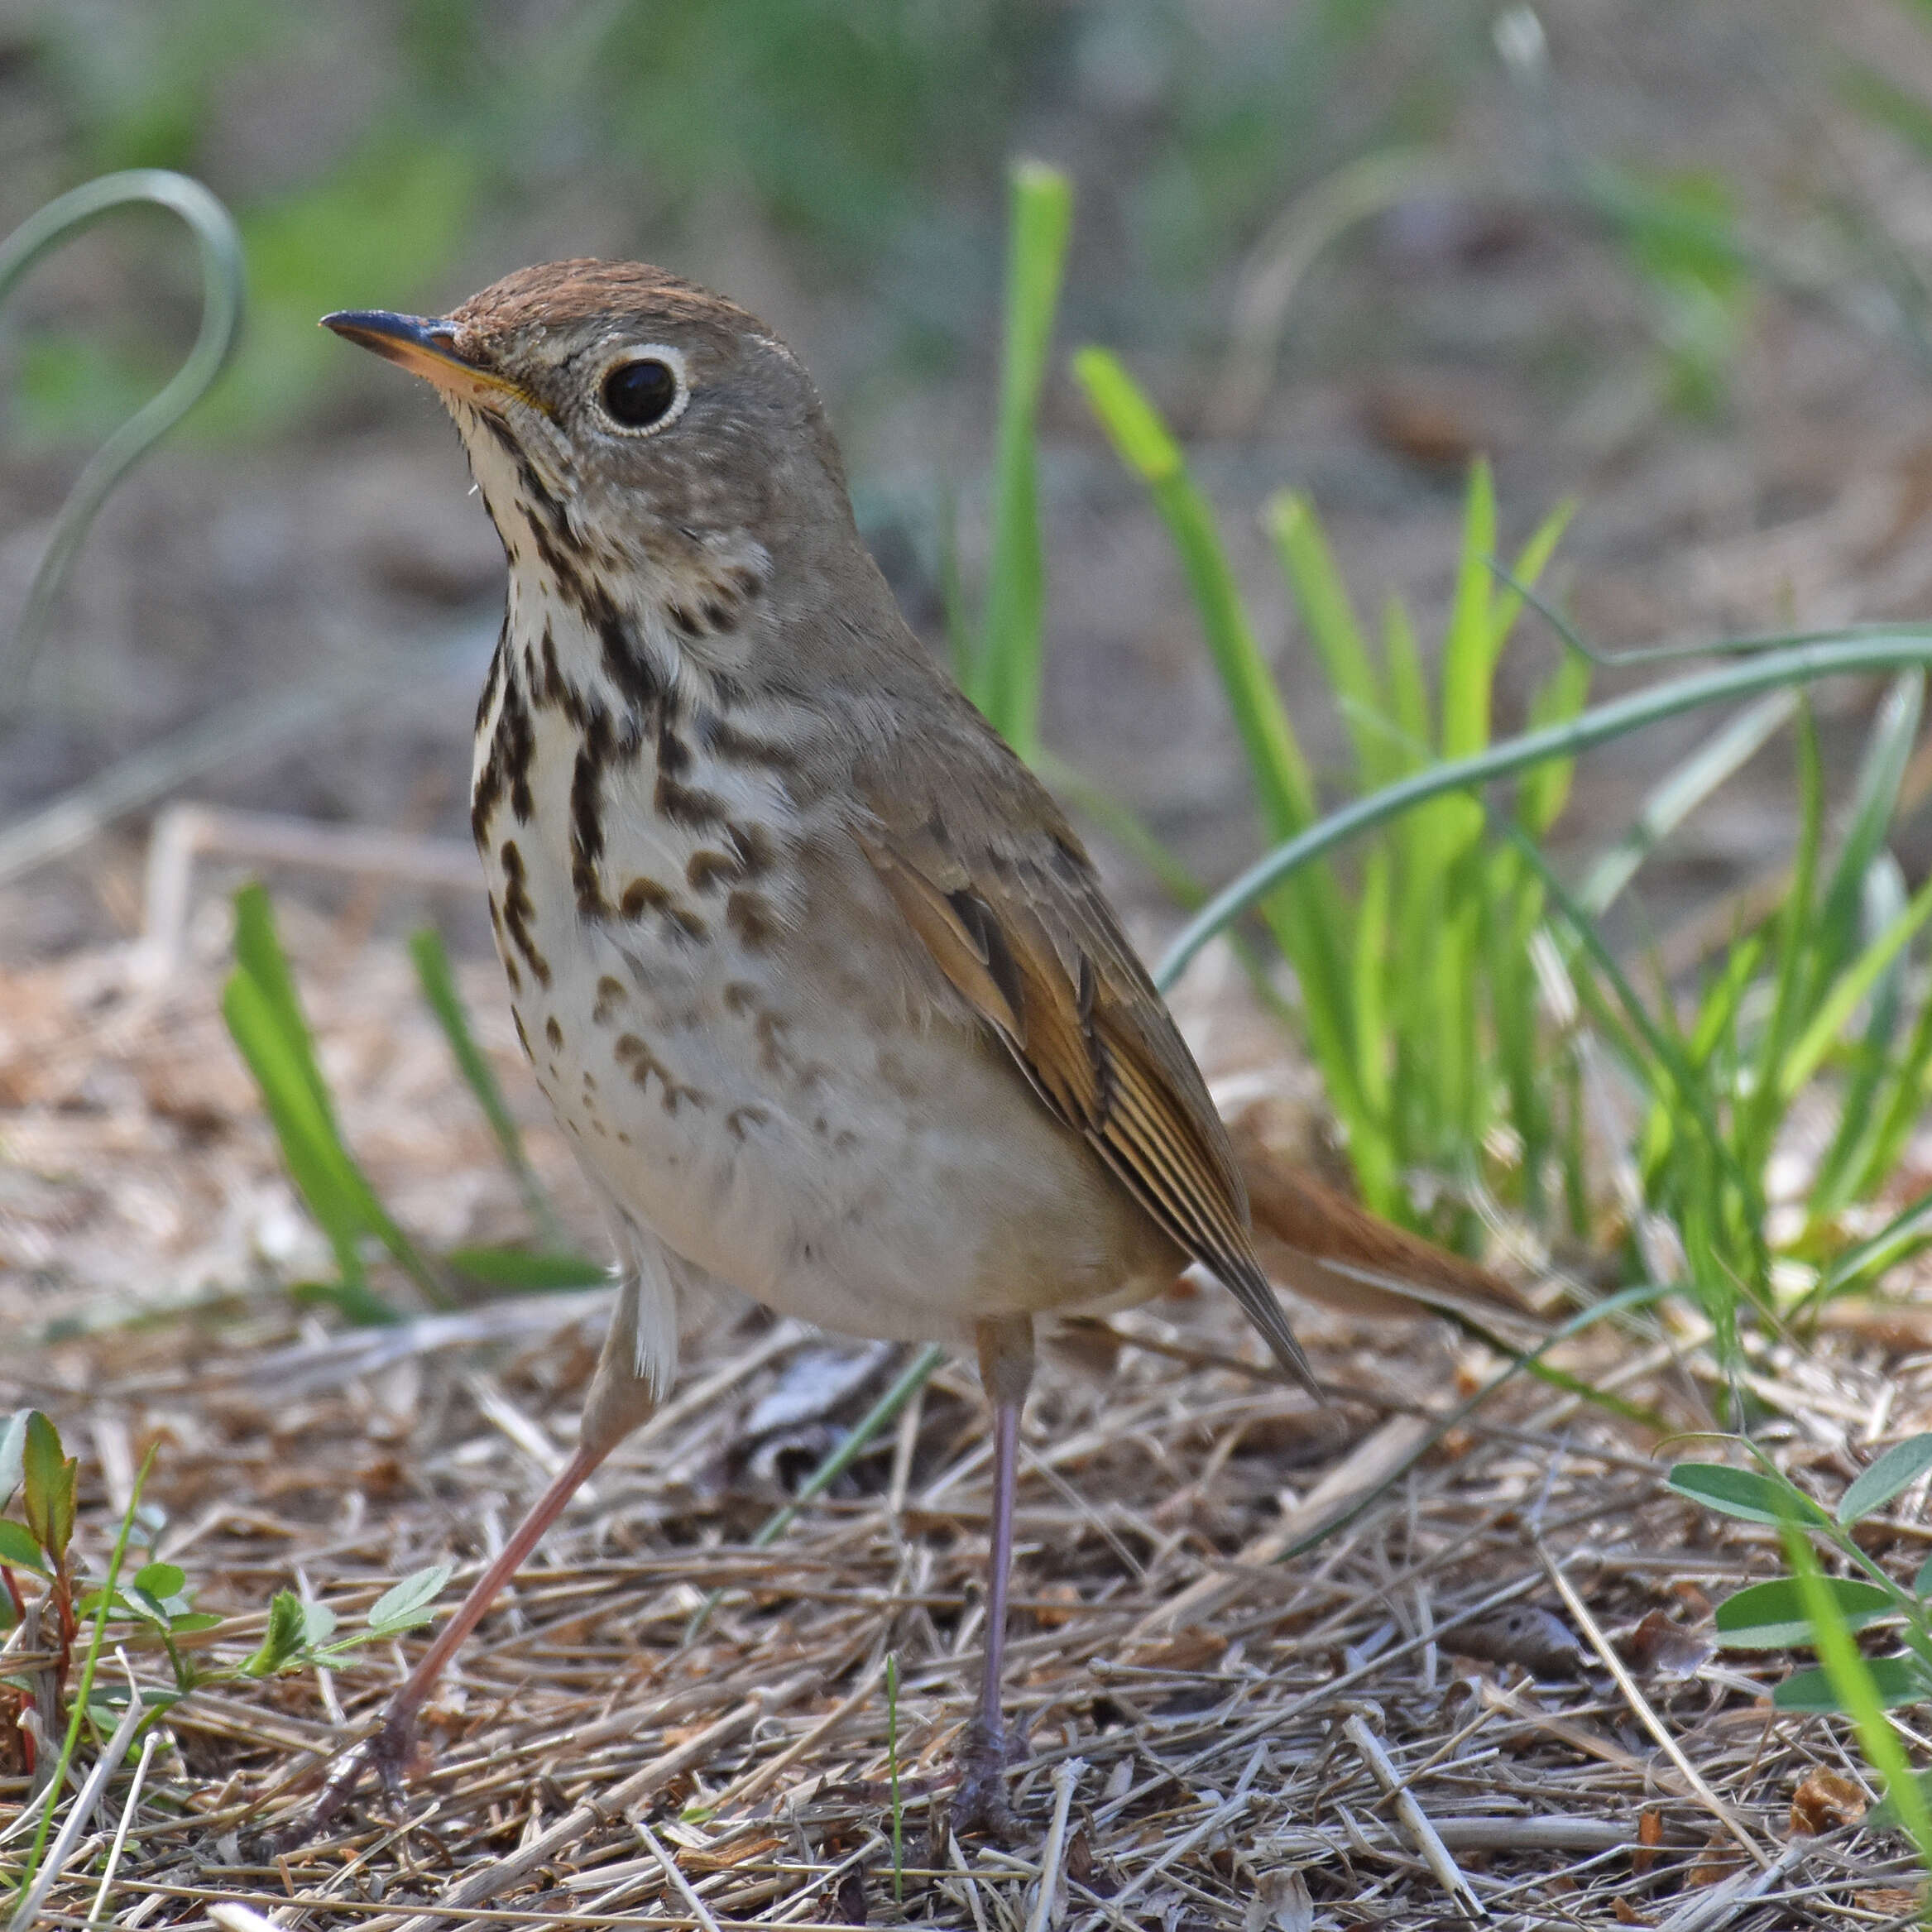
[[387, 1750], [1006, 1368]]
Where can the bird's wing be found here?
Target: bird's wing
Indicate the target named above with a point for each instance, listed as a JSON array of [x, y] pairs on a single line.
[[994, 882]]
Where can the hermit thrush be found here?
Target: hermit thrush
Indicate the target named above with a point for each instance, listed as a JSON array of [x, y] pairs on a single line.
[[818, 980]]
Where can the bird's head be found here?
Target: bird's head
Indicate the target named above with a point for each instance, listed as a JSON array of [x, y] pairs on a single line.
[[623, 422]]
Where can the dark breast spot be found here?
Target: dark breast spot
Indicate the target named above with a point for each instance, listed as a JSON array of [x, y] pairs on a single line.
[[706, 869], [612, 994], [740, 1121], [644, 897], [518, 912], [587, 821], [553, 1033], [635, 1053], [752, 917]]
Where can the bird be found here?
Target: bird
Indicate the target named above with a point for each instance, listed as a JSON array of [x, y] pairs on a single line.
[[820, 982]]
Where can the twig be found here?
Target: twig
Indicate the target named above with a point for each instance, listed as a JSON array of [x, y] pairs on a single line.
[[147, 1751], [1225, 1813], [233, 1917], [1422, 1834], [83, 1810], [1723, 1901], [1640, 1704], [493, 1880], [679, 1882], [1066, 1774], [761, 1778]]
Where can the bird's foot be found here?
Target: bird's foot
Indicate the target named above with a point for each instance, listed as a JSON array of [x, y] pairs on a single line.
[[386, 1751], [980, 1803]]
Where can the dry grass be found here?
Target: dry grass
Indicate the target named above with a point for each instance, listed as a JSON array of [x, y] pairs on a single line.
[[1487, 1694]]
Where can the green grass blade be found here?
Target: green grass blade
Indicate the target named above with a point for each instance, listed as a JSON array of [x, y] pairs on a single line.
[[527, 1270], [1544, 790], [265, 1016], [1900, 1113], [1680, 793], [1530, 562], [1329, 619], [1007, 676], [258, 953], [1600, 725], [1312, 919], [1857, 1695], [1894, 731], [1283, 782], [1851, 987], [1862, 1109], [1469, 650], [316, 1160], [439, 985], [1408, 683]]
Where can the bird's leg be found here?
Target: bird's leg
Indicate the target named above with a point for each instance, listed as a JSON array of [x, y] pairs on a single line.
[[1006, 1368], [621, 1397]]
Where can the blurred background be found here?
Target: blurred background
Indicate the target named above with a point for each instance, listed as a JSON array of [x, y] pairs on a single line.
[[1671, 260]]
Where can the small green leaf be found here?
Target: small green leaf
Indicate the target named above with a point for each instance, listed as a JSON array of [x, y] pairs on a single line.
[[1771, 1616], [1898, 1681], [17, 1547], [525, 1268], [189, 1621], [408, 1604], [1898, 1469], [161, 1579], [287, 1619], [1745, 1494], [13, 1447], [318, 1623], [49, 1478], [1922, 1583]]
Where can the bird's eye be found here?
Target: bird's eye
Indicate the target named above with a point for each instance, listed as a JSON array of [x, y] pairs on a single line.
[[641, 393]]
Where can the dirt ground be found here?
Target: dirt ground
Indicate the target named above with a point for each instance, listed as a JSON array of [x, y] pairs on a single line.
[[1493, 1695]]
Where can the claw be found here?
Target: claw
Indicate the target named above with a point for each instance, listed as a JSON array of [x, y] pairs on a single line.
[[386, 1751], [980, 1803]]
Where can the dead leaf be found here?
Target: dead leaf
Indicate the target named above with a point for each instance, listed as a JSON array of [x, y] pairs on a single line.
[[1524, 1633], [1824, 1800], [849, 1896], [1192, 1649], [1627, 1913], [1649, 1834], [1659, 1645], [1891, 1901], [1718, 1859], [1055, 1593], [1691, 1599], [1280, 1902]]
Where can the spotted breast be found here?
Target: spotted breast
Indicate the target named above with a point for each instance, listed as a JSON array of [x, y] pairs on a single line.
[[727, 1012]]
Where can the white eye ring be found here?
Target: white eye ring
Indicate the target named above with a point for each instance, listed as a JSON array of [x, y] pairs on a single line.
[[641, 397]]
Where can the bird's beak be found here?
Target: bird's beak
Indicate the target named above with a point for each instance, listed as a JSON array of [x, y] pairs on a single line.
[[426, 346]]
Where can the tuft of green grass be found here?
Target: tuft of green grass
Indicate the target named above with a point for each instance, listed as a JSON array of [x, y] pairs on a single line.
[[265, 1020], [1460, 1000]]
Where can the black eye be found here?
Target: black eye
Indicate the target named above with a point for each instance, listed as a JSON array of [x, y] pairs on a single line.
[[640, 393]]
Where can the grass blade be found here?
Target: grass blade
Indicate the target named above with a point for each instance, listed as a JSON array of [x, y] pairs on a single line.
[[1600, 725], [438, 984], [1006, 682]]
